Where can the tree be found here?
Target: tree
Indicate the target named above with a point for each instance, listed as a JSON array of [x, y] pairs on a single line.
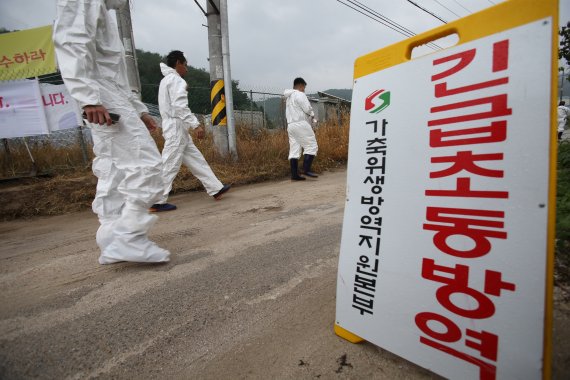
[[198, 85], [564, 50]]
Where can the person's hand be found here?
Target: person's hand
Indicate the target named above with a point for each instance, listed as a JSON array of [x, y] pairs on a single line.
[[149, 122], [97, 115], [315, 121], [200, 132]]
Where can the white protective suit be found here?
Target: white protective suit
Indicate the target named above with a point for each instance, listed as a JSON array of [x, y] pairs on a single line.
[[301, 135], [127, 161], [563, 113], [178, 145]]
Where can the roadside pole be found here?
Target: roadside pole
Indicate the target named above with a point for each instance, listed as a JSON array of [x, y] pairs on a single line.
[[126, 34], [217, 92], [228, 80]]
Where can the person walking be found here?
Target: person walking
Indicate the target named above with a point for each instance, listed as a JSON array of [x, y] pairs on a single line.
[[301, 135], [179, 147], [127, 161], [563, 113]]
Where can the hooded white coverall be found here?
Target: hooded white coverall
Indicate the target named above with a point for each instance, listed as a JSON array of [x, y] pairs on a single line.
[[127, 161], [300, 133], [178, 145], [563, 113]]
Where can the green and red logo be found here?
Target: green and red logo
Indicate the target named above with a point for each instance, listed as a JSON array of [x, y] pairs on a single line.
[[377, 101]]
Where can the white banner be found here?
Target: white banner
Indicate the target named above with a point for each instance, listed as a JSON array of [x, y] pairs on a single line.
[[21, 109], [62, 112], [443, 253]]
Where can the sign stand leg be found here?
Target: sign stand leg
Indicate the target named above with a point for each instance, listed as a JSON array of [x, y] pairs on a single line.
[[34, 171], [345, 334], [82, 145]]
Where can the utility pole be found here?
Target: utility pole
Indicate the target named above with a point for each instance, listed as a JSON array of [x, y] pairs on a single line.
[[126, 34], [228, 79], [217, 91]]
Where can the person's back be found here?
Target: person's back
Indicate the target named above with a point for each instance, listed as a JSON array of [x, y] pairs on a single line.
[[562, 118], [172, 97], [297, 106], [301, 135], [563, 112]]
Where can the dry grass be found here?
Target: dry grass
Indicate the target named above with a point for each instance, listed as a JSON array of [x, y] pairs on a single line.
[[262, 156], [49, 158]]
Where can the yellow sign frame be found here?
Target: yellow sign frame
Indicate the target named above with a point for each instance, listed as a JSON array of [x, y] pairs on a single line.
[[499, 18]]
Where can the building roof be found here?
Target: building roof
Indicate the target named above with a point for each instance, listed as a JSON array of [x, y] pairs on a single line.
[[333, 97]]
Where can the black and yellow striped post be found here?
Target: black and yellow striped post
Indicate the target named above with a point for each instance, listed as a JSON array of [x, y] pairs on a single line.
[[218, 100]]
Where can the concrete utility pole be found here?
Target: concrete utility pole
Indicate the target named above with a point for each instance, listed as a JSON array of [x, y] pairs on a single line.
[[228, 80], [217, 92], [126, 35], [221, 95]]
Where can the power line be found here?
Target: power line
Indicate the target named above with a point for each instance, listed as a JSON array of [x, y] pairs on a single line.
[[379, 15], [447, 8], [368, 12], [375, 19], [427, 11], [461, 5]]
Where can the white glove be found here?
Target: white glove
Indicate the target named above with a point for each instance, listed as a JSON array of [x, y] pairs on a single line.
[[315, 121]]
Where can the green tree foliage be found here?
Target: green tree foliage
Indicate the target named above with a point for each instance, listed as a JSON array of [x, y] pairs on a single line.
[[563, 211], [564, 50], [150, 75], [198, 85]]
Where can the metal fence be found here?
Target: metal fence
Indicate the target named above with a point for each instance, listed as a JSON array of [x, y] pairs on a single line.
[[258, 107], [59, 151]]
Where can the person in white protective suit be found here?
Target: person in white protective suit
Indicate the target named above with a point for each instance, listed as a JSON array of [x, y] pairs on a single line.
[[177, 119], [127, 162], [563, 113], [301, 135]]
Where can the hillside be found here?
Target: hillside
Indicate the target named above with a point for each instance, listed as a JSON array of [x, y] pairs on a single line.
[[198, 84]]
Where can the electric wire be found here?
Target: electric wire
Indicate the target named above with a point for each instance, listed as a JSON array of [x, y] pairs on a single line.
[[447, 8], [427, 11], [377, 14], [401, 27], [375, 19], [381, 16], [373, 15], [461, 5]]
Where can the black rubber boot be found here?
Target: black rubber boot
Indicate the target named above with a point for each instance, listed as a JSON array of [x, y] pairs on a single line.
[[307, 166], [294, 171], [219, 194]]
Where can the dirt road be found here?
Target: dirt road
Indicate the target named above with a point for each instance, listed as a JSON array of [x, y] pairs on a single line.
[[250, 293]]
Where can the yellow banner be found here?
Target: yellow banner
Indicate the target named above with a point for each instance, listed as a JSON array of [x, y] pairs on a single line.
[[27, 53]]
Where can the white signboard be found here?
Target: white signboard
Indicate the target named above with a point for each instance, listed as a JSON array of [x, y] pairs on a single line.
[[21, 109], [443, 250], [62, 112]]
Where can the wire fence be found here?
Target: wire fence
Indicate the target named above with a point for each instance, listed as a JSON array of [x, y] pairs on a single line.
[[255, 107]]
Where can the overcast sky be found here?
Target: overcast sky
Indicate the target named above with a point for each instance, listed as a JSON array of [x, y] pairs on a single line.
[[271, 41]]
